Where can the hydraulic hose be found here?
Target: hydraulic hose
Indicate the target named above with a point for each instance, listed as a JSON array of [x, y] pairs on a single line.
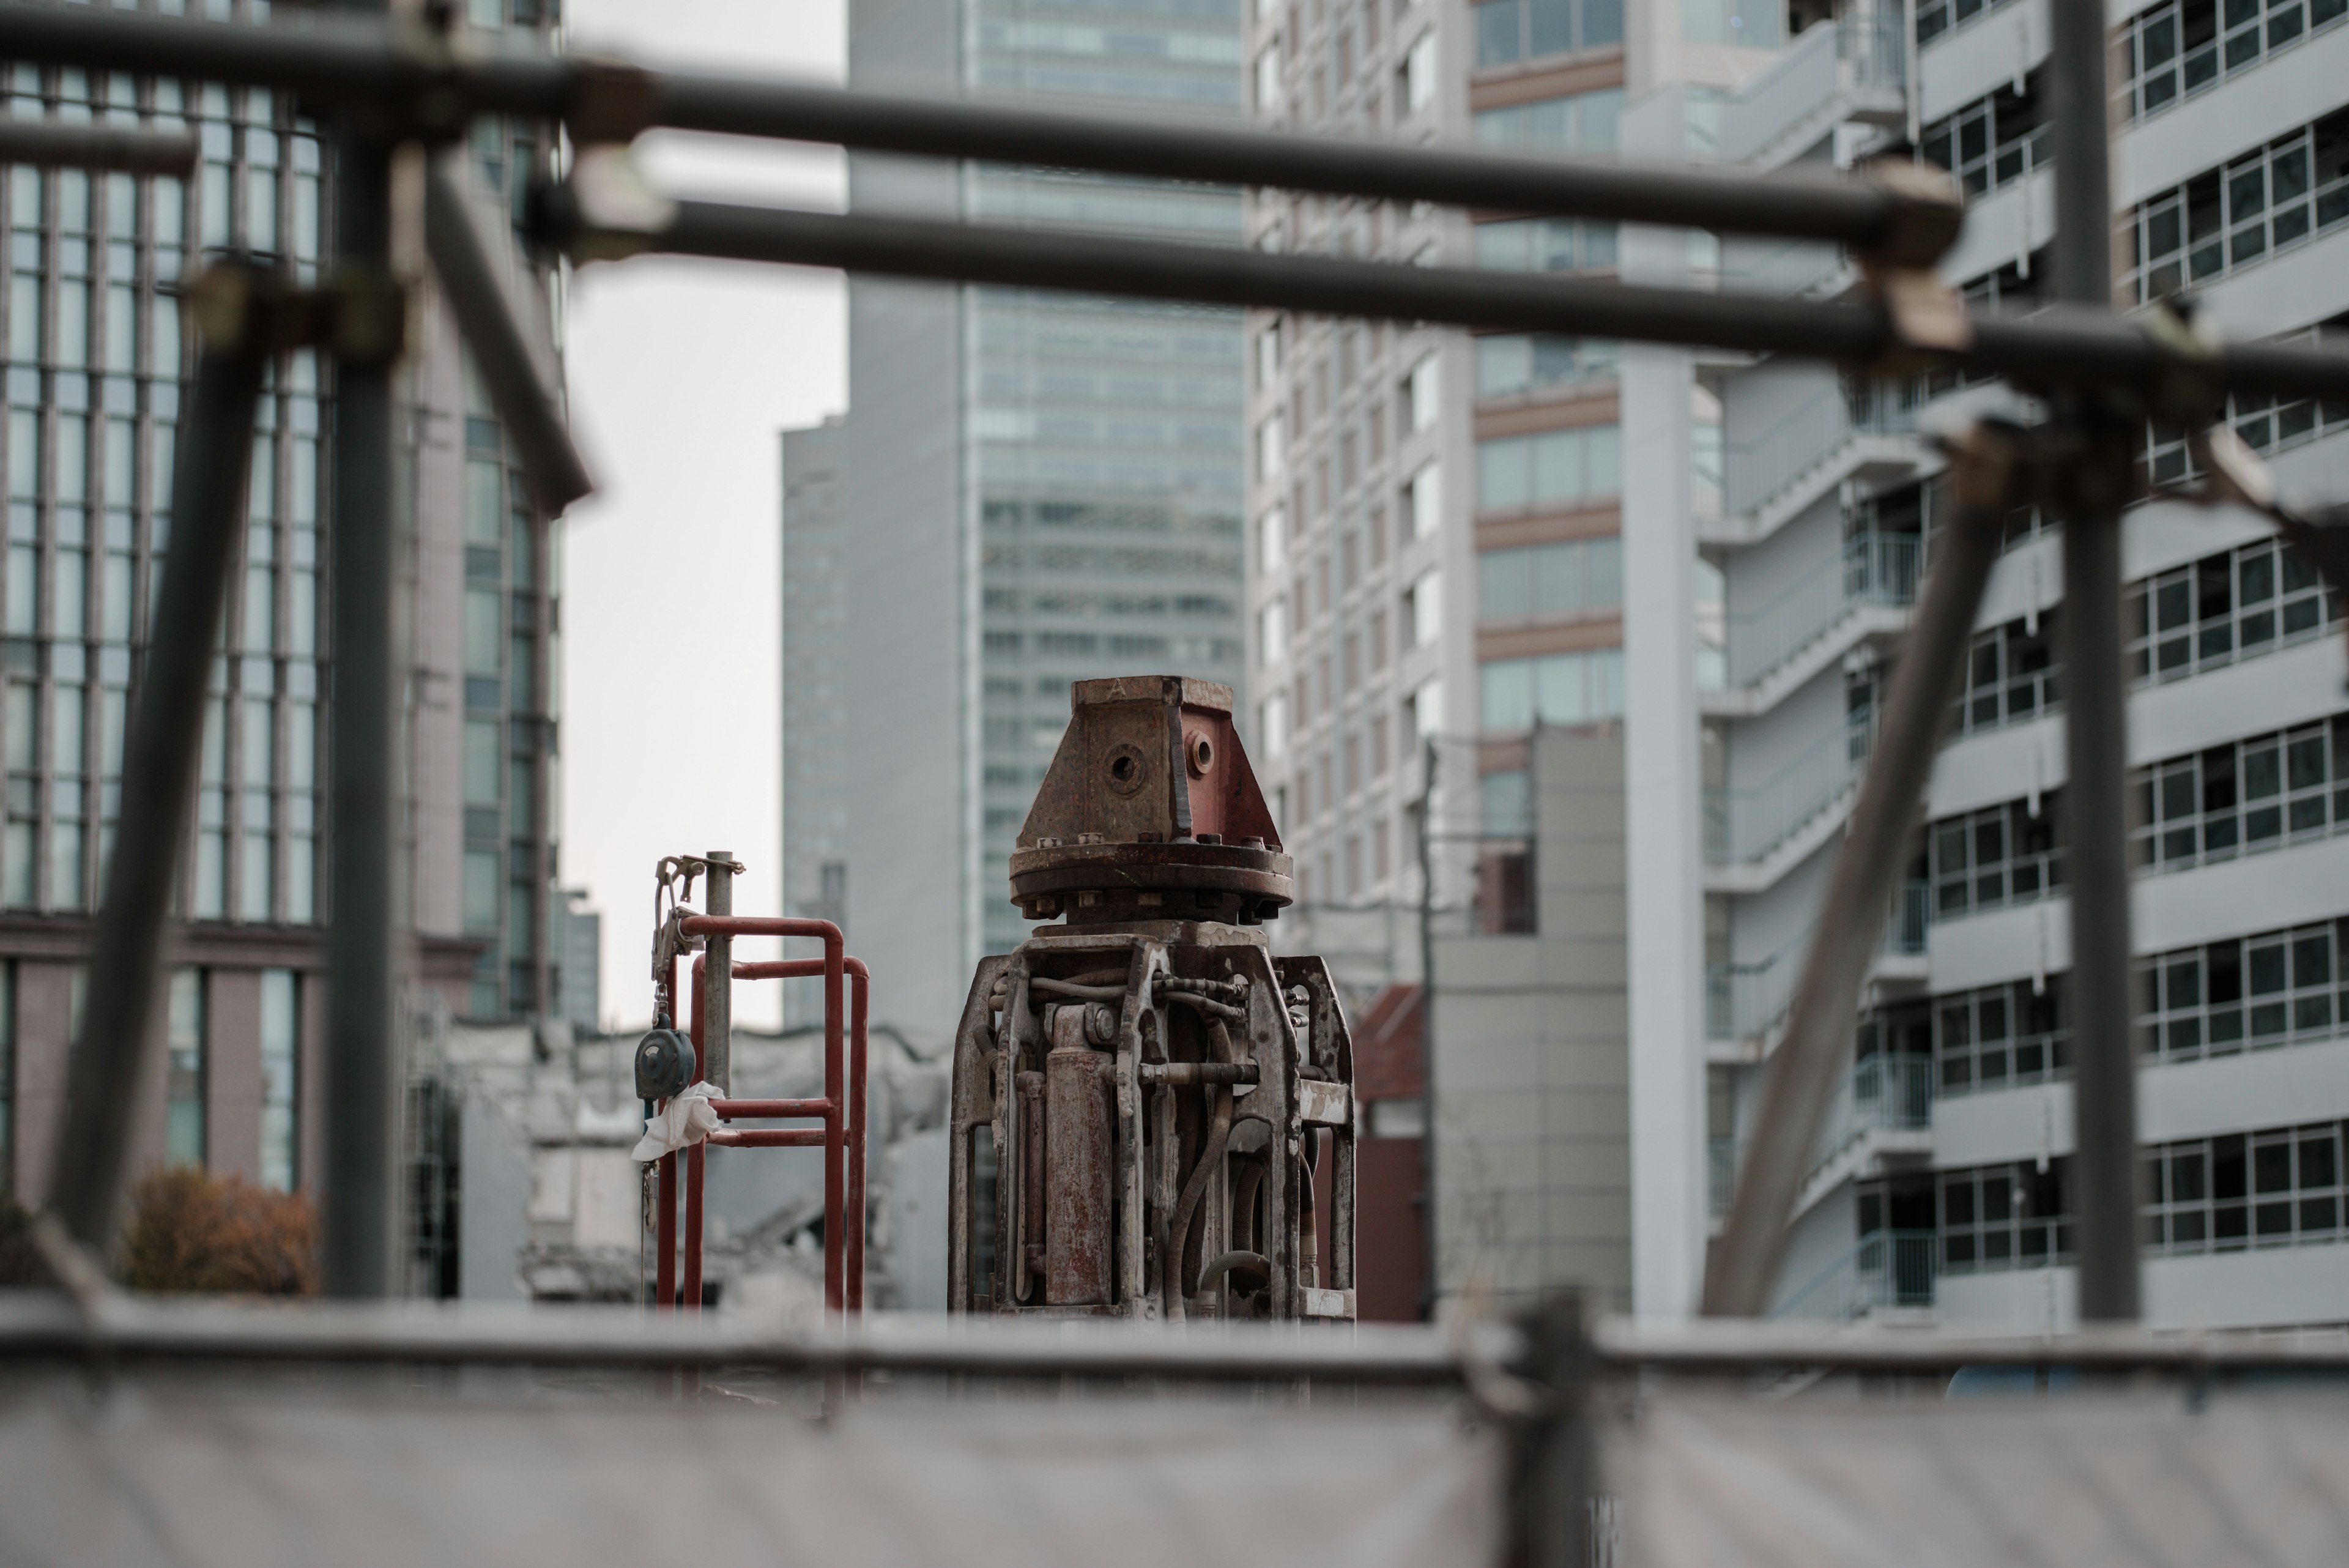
[[1211, 1155]]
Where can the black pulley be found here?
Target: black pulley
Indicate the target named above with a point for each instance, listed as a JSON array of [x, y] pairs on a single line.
[[665, 1065]]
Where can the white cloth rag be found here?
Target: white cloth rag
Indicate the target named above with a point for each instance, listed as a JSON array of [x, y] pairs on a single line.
[[687, 1119]]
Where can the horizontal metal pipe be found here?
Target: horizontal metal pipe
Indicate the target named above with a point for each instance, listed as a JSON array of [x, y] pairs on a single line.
[[53, 145], [42, 1324], [1182, 1074], [406, 70], [753, 1109], [1799, 206], [769, 1138], [2060, 347]]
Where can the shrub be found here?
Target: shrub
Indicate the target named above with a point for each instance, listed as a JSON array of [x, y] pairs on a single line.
[[190, 1231]]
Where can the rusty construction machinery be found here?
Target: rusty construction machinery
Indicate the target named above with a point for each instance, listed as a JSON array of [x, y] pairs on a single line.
[[1152, 1114]]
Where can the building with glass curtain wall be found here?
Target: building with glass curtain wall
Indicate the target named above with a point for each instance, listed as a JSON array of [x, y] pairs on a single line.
[[97, 356], [1039, 488]]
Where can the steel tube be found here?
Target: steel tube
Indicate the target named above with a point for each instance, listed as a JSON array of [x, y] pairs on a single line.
[[59, 146], [2058, 349], [1800, 1082], [718, 954], [859, 1065], [475, 268], [665, 1236], [362, 1069], [756, 1110], [2104, 1174], [770, 1137], [689, 1297], [106, 1072], [334, 60]]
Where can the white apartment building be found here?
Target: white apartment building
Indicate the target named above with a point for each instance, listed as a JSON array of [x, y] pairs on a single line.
[[1473, 535]]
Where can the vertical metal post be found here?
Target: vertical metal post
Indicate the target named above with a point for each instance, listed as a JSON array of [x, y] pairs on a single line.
[[2104, 1167], [1430, 1274], [717, 999], [106, 1072], [361, 1076]]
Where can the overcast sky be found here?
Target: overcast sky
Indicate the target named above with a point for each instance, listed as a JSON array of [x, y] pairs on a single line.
[[681, 374]]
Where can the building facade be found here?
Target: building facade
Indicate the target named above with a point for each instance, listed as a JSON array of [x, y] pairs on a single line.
[[1465, 538], [97, 361], [815, 693], [1038, 489]]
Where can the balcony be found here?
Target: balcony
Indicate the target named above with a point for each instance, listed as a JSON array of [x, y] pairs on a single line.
[[1888, 1272], [1856, 69], [1775, 649], [1755, 835], [1868, 434], [1883, 1112], [1749, 1002]]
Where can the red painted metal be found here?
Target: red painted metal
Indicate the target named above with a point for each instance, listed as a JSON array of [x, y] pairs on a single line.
[[767, 1138], [1078, 1165], [692, 1292], [842, 1137]]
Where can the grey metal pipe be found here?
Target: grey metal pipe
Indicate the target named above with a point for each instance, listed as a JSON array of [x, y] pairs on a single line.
[[1800, 1081], [2103, 1094], [403, 71], [52, 144], [717, 980], [1190, 1074], [476, 265], [2057, 350], [362, 1069], [109, 1070]]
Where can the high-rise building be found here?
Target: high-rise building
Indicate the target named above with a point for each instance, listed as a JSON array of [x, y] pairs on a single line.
[[1473, 536], [815, 694], [98, 357], [1039, 488]]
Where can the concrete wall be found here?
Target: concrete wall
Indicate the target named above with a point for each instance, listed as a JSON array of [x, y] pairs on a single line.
[[1533, 1135]]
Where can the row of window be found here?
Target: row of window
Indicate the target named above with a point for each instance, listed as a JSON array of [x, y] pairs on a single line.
[[1553, 468], [187, 1088], [2242, 797], [1512, 30], [1550, 582], [2248, 601], [1553, 689], [2176, 48], [2228, 217], [2277, 1186], [1993, 141]]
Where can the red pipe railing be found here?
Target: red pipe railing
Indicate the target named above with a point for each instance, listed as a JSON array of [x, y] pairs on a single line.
[[842, 1137]]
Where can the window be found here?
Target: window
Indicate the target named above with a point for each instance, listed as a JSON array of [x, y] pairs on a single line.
[[2272, 1188], [2176, 49], [1555, 688], [2011, 675], [1750, 24], [1267, 80], [1577, 124], [1550, 582], [1271, 445], [1989, 859], [1272, 632], [1423, 500], [1267, 358], [2232, 216], [1420, 391], [1418, 75], [1272, 724], [2002, 1035], [480, 890], [1545, 244], [2246, 601], [2004, 1217], [2240, 797], [1526, 362], [184, 1082], [2245, 992], [1994, 141], [1424, 607], [1552, 469], [281, 1111], [1424, 713], [1509, 30], [1935, 17]]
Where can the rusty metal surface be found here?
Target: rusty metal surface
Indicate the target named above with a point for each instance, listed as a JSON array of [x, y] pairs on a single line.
[[1078, 1167], [1150, 811]]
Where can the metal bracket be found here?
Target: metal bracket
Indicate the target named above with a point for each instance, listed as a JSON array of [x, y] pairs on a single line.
[[615, 212], [1927, 315], [358, 313]]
